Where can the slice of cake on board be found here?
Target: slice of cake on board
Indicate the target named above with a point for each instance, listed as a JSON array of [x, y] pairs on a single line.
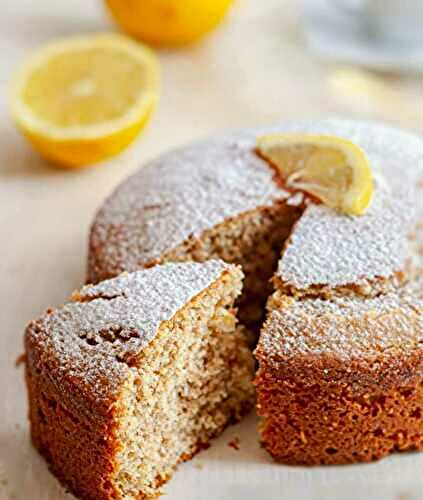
[[137, 374]]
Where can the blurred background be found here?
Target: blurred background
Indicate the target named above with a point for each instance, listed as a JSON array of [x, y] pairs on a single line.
[[266, 62]]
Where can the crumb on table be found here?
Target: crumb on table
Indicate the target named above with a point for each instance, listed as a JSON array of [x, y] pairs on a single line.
[[234, 443]]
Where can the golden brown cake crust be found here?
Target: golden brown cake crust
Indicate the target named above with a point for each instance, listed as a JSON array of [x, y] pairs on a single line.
[[75, 447], [80, 450], [350, 420]]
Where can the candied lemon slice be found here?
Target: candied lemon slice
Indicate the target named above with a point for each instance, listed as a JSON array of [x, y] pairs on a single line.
[[332, 169], [82, 99]]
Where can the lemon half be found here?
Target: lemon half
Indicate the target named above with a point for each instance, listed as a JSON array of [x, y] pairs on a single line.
[[331, 168], [82, 99]]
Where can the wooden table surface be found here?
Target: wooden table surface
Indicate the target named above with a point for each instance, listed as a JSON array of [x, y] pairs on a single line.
[[255, 69]]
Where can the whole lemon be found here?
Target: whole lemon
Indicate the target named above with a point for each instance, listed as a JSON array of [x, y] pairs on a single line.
[[168, 22]]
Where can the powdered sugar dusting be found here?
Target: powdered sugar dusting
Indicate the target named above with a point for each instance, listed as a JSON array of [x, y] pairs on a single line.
[[348, 327], [332, 249], [179, 195], [93, 339], [191, 190], [419, 229]]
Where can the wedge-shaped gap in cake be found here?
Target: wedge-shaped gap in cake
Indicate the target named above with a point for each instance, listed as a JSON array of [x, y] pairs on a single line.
[[253, 240]]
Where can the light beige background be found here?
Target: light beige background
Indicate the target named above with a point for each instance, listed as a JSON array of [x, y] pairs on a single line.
[[253, 70]]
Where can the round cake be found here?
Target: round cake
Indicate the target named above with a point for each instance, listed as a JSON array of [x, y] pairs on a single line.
[[342, 343]]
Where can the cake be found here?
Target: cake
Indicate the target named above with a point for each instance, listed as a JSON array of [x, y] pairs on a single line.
[[340, 372], [136, 374], [219, 199]]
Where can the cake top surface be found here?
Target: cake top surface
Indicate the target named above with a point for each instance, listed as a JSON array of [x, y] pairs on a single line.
[[327, 248], [190, 190], [180, 194], [348, 327], [330, 249], [94, 339]]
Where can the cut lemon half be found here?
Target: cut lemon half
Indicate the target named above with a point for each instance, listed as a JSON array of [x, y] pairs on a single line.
[[332, 169], [85, 98]]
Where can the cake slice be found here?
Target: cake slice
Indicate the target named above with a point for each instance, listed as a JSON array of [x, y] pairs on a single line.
[[137, 374], [341, 379]]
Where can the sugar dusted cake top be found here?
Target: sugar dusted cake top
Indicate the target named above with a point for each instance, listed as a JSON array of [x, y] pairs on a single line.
[[332, 249], [190, 190], [180, 194], [348, 327], [91, 342]]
